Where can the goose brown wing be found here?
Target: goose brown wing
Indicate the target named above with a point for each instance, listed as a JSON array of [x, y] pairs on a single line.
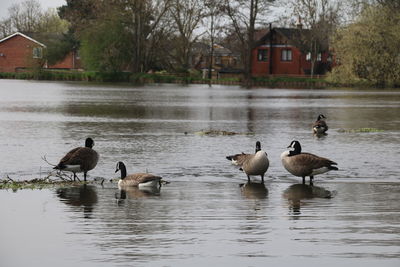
[[65, 160], [85, 157], [320, 124], [243, 158], [315, 161], [137, 178]]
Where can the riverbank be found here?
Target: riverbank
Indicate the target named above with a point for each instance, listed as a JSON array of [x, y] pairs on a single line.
[[146, 78]]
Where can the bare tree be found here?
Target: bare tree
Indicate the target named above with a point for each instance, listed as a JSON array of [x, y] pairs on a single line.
[[244, 17], [187, 15], [25, 16], [144, 18], [29, 17], [213, 19], [318, 20]]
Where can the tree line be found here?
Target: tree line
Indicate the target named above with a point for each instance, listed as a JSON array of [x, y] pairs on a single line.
[[143, 35]]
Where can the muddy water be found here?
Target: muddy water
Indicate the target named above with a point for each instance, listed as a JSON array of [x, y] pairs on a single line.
[[207, 214]]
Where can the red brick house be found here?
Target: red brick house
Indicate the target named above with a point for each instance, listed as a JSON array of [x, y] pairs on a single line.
[[71, 61], [277, 53], [19, 51]]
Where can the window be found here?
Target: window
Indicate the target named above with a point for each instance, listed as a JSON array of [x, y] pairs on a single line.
[[262, 55], [37, 52], [218, 60], [286, 55], [319, 56], [308, 56]]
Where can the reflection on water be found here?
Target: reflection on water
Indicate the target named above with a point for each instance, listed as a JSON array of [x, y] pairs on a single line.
[[130, 192], [82, 198], [298, 192], [201, 217], [253, 190]]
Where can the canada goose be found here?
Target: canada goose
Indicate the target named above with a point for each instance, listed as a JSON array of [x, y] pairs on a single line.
[[80, 159], [141, 180], [320, 126], [305, 164], [252, 164], [238, 159]]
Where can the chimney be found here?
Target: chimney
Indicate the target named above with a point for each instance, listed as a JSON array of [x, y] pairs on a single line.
[[299, 25]]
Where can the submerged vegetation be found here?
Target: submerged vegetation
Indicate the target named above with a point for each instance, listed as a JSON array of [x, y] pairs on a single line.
[[360, 130], [37, 183], [219, 132]]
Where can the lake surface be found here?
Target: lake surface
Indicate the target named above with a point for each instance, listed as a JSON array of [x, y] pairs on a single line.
[[207, 214]]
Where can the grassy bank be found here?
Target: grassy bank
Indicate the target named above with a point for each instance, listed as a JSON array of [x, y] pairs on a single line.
[[146, 78]]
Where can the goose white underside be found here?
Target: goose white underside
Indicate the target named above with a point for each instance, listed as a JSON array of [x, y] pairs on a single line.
[[153, 183], [320, 171], [72, 168], [234, 162]]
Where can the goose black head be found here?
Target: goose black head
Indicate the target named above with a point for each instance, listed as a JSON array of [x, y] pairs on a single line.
[[89, 142], [121, 167], [321, 116], [296, 148], [258, 146]]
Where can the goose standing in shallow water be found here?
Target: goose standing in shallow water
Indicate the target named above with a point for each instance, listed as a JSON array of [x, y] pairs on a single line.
[[80, 159], [252, 164], [305, 164], [320, 126], [141, 180]]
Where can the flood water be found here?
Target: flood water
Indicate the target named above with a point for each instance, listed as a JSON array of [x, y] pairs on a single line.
[[207, 214]]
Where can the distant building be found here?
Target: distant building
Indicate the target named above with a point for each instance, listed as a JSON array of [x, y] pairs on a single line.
[[224, 63], [278, 53], [19, 52]]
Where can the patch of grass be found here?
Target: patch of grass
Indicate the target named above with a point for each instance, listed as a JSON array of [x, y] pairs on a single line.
[[361, 130], [219, 132], [37, 183]]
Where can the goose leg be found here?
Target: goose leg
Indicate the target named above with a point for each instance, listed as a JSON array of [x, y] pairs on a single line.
[[75, 177], [248, 178], [262, 178], [304, 180], [311, 180], [84, 176]]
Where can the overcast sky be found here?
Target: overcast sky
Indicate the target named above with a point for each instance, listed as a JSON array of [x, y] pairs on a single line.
[[5, 4]]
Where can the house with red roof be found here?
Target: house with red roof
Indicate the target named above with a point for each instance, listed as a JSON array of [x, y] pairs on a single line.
[[19, 52], [278, 52]]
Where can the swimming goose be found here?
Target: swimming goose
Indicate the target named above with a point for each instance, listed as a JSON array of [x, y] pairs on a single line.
[[141, 180], [252, 164], [80, 159], [305, 164], [320, 126]]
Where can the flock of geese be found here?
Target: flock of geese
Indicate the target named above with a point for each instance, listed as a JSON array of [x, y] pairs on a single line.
[[296, 162]]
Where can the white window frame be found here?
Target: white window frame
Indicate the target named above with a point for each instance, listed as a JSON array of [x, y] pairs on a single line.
[[286, 55], [37, 52]]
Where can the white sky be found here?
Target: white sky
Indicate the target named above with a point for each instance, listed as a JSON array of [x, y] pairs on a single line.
[[5, 4]]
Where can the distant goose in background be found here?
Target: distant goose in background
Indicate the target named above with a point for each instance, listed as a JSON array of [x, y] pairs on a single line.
[[80, 159], [141, 180], [305, 164], [252, 164], [320, 126]]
